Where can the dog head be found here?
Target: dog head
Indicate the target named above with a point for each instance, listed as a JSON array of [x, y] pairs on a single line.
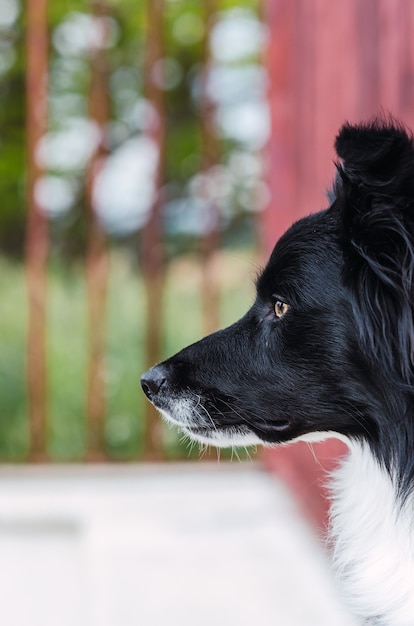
[[330, 333]]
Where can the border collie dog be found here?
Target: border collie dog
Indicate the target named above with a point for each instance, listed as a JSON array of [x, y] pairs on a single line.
[[327, 350]]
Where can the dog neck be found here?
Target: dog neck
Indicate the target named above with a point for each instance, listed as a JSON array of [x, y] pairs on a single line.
[[373, 538]]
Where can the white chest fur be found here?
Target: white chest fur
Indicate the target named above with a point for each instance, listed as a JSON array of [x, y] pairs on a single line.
[[374, 541]]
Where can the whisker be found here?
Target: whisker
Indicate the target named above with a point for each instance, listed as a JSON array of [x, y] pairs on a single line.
[[236, 454], [245, 419]]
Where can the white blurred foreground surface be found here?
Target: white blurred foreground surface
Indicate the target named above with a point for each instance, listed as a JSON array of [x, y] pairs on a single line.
[[158, 545]]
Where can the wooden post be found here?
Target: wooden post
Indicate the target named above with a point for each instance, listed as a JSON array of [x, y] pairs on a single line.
[[37, 230], [97, 259], [210, 150], [281, 147], [151, 246]]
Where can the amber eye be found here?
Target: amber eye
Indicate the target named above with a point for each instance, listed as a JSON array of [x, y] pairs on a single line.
[[280, 308]]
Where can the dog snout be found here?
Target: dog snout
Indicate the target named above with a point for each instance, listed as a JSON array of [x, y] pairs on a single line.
[[153, 380]]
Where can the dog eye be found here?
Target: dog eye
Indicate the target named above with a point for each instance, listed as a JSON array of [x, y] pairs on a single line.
[[280, 308]]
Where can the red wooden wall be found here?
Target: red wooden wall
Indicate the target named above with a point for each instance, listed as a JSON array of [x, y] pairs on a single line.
[[327, 62]]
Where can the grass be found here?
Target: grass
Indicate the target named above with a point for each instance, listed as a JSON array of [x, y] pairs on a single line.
[[67, 349]]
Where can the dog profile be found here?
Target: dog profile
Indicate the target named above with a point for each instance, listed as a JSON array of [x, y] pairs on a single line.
[[327, 350]]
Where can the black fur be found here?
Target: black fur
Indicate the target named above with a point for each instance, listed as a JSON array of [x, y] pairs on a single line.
[[341, 358]]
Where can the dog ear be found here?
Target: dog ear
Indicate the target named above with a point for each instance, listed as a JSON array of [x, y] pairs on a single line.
[[375, 198]]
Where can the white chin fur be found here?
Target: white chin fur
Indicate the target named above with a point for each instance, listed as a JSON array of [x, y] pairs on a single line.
[[169, 419], [319, 436], [183, 417], [225, 439]]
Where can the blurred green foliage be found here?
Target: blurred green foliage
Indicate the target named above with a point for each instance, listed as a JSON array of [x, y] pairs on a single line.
[[69, 75], [68, 84], [67, 350]]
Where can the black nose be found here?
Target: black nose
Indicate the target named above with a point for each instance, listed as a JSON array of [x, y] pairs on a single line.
[[152, 381]]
